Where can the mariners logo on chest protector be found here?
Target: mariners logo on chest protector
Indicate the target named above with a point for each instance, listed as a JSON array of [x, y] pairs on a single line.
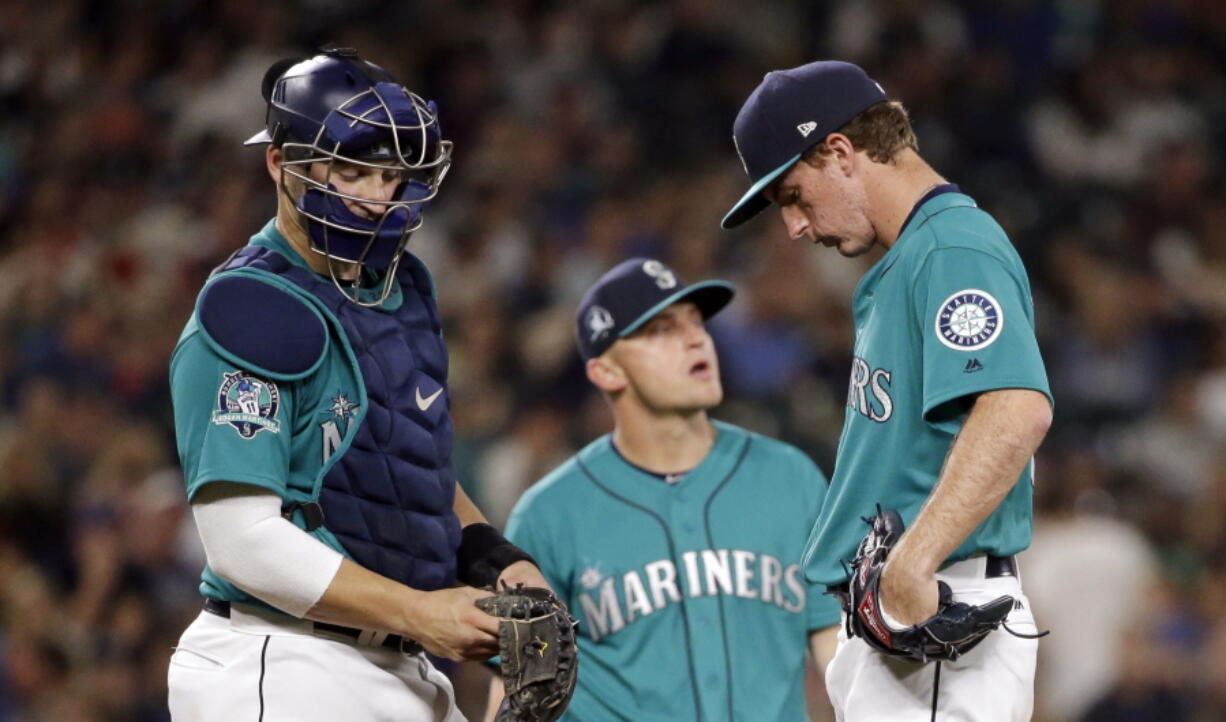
[[248, 404], [969, 320], [340, 411]]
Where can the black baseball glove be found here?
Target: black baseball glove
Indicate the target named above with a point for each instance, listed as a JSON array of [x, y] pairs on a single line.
[[540, 660], [953, 631]]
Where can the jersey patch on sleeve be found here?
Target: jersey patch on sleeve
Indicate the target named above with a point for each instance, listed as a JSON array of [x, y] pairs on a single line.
[[247, 403], [969, 320]]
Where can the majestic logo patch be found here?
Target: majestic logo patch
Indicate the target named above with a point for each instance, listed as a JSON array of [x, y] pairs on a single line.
[[662, 273], [806, 128], [248, 404], [599, 321], [969, 320]]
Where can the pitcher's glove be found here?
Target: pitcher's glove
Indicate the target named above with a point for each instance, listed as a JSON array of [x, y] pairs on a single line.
[[953, 631], [540, 661]]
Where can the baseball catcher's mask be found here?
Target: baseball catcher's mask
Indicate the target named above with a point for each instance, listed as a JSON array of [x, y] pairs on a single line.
[[335, 109]]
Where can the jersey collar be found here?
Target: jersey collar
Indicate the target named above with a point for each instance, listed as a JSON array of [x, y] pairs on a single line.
[[943, 197], [610, 469], [271, 237]]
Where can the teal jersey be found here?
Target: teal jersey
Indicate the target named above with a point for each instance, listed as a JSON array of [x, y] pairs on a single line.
[[947, 313], [690, 596], [238, 423]]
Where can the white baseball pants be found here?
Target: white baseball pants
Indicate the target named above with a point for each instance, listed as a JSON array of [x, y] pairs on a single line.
[[262, 667], [994, 682]]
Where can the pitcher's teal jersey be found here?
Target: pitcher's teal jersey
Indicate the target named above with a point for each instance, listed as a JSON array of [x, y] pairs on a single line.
[[945, 314], [248, 425], [690, 596]]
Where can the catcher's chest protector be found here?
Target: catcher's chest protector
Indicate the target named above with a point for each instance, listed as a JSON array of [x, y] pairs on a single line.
[[388, 498]]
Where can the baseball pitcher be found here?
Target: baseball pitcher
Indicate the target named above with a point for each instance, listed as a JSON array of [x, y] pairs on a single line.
[[947, 402]]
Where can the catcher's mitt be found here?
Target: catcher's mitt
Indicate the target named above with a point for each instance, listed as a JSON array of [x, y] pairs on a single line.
[[953, 631], [540, 661]]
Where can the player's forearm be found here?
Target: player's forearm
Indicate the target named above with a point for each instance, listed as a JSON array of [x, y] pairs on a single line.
[[822, 645], [358, 597], [998, 440], [465, 509], [497, 692]]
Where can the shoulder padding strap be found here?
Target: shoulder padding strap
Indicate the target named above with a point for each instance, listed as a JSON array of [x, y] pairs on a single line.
[[262, 326]]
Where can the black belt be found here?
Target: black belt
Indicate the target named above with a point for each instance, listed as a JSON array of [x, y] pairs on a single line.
[[993, 568], [1000, 567], [394, 642]]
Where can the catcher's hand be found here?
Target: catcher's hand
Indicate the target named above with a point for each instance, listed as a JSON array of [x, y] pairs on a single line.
[[540, 661], [953, 631]]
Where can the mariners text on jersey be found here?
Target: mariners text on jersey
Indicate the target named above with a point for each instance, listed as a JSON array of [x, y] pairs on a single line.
[[610, 603]]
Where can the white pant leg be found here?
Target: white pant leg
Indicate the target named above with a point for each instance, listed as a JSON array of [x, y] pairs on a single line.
[[994, 682], [247, 668]]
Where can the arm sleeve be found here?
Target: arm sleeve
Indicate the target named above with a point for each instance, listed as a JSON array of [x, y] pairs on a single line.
[[217, 441], [249, 545], [977, 324]]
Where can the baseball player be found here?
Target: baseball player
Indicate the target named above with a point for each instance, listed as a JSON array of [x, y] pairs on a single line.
[[676, 540], [948, 398], [311, 412]]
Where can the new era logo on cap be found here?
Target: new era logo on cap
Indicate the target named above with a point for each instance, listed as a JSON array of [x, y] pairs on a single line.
[[816, 99]]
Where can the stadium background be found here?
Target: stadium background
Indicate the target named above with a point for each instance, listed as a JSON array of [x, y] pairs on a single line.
[[587, 131]]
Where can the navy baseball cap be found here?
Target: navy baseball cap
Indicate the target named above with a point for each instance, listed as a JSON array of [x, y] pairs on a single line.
[[631, 294], [789, 112]]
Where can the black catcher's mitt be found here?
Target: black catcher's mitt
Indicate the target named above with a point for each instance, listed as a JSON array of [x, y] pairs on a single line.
[[540, 661], [953, 631]]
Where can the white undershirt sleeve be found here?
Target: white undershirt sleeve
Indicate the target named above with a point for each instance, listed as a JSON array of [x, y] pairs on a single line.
[[250, 545]]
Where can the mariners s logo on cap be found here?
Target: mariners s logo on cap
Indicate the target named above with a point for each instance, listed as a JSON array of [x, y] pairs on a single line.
[[664, 276], [630, 294]]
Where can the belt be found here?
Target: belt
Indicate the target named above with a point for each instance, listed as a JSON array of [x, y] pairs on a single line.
[[394, 642], [993, 568], [1000, 567]]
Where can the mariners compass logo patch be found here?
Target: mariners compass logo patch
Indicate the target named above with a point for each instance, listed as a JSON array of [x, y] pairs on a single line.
[[248, 404], [969, 320]]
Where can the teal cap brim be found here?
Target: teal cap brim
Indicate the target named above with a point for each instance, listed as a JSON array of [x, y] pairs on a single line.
[[709, 296], [752, 203]]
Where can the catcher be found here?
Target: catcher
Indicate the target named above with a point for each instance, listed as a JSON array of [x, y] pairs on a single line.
[[318, 462]]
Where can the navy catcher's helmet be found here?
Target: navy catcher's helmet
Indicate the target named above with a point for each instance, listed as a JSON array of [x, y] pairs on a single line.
[[334, 107]]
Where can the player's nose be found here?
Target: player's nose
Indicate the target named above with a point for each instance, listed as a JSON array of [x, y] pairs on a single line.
[[696, 334], [796, 223], [374, 194]]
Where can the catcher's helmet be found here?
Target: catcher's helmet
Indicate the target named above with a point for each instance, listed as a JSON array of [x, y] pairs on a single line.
[[333, 107]]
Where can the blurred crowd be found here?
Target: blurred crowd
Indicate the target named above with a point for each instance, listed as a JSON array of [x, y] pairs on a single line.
[[588, 131]]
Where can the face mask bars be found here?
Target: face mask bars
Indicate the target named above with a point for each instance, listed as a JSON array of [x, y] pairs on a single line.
[[316, 152]]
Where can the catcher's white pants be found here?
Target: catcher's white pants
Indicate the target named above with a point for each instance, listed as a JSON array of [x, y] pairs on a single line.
[[268, 668], [994, 682]]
